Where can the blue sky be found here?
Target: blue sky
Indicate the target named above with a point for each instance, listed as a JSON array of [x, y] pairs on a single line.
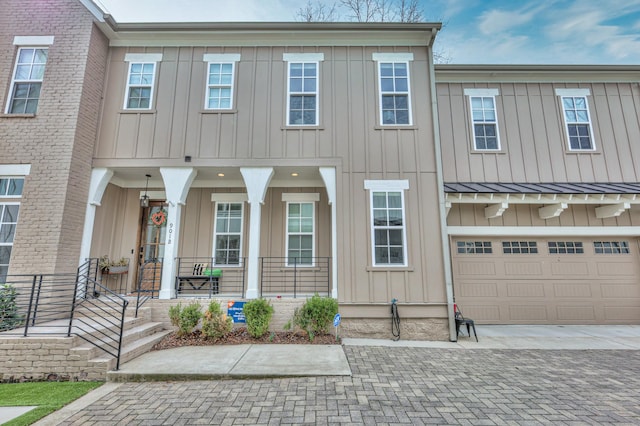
[[475, 32]]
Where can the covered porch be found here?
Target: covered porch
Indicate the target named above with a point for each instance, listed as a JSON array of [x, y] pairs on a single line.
[[206, 231]]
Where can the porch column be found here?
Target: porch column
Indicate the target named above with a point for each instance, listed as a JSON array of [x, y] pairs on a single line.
[[256, 179], [177, 181], [99, 180], [329, 177]]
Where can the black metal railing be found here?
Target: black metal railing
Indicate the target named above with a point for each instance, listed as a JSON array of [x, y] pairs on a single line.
[[290, 276], [201, 276], [66, 305], [149, 282]]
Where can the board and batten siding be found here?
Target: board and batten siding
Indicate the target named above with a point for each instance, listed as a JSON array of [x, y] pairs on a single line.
[[533, 138]]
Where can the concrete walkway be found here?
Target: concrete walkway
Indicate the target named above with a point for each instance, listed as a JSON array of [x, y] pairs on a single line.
[[272, 361]]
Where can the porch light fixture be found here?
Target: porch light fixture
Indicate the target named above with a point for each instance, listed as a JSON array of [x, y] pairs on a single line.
[[220, 174], [144, 201], [294, 174]]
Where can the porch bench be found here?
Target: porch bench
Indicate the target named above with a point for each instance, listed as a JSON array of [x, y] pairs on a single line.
[[206, 279]]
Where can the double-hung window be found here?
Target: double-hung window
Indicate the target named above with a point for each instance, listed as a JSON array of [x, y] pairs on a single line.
[[394, 88], [141, 78], [389, 237], [303, 88], [484, 119], [28, 75], [577, 119], [220, 80], [228, 225], [10, 188], [300, 238]]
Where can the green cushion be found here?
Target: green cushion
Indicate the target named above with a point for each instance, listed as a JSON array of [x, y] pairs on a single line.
[[212, 272]]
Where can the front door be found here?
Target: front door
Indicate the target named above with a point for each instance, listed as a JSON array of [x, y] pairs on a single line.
[[153, 229]]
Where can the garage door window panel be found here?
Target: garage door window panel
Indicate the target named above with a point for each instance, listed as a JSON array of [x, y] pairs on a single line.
[[565, 247], [474, 247], [519, 247], [611, 247]]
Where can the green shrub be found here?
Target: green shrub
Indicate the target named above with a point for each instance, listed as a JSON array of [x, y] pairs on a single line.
[[10, 317], [187, 318], [258, 313], [215, 323], [316, 315]]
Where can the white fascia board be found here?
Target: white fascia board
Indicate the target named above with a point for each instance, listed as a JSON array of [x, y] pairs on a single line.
[[532, 231]]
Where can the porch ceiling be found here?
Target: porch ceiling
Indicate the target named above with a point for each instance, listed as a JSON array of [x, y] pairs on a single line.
[[210, 177]]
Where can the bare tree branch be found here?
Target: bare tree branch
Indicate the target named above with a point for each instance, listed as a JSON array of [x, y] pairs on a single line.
[[317, 12]]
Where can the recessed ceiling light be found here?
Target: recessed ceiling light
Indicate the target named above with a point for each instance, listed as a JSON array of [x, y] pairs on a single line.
[[220, 174], [294, 174]]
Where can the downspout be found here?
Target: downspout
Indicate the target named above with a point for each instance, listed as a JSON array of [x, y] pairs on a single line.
[[446, 254]]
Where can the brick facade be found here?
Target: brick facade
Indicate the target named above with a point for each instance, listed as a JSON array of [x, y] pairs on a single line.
[[58, 141]]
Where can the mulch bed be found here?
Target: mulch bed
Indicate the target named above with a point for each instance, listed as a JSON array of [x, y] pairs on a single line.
[[239, 336]]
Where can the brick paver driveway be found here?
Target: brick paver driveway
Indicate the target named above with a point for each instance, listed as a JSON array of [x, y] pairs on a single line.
[[402, 385]]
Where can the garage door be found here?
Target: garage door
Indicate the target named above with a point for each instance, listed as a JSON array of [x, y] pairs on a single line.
[[515, 280]]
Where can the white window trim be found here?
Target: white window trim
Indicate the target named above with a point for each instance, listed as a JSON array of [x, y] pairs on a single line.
[[220, 58], [15, 170], [388, 186], [576, 93], [142, 58], [27, 45], [230, 200], [223, 197], [303, 58], [300, 198], [405, 57], [484, 93]]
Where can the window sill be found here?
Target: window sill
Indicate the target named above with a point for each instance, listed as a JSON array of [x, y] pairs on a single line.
[[17, 115], [137, 111], [302, 127], [488, 151], [389, 268], [582, 151], [218, 111], [396, 127]]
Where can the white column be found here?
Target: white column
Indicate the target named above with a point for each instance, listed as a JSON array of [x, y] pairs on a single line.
[[99, 180], [177, 181], [256, 179], [329, 177]]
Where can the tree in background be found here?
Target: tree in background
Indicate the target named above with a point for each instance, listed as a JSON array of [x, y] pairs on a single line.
[[408, 11]]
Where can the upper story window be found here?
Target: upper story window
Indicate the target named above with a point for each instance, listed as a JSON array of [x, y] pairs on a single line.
[[389, 239], [303, 88], [10, 187], [484, 119], [28, 74], [141, 80], [394, 88], [300, 239], [220, 80], [577, 119]]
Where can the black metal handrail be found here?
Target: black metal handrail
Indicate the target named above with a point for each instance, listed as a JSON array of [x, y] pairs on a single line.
[[148, 287], [67, 305], [196, 276], [283, 276]]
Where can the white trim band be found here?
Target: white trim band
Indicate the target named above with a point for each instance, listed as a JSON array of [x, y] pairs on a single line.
[[386, 185], [33, 40], [392, 57], [573, 92], [15, 169], [224, 197], [569, 231], [221, 57], [143, 57], [298, 197], [481, 92], [303, 57]]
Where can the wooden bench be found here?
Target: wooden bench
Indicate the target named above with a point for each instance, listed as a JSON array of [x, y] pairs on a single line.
[[202, 278]]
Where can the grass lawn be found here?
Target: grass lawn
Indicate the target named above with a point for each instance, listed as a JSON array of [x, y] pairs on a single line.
[[48, 396]]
